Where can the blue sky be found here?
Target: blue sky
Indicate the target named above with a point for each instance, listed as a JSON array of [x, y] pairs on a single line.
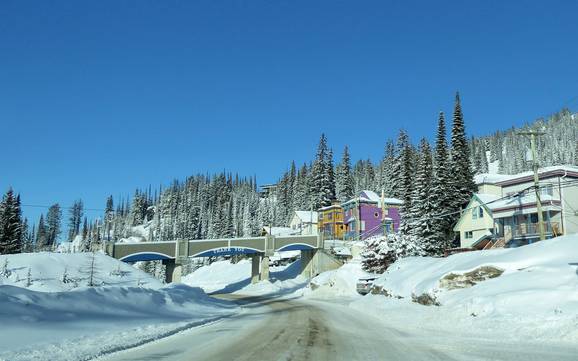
[[101, 97]]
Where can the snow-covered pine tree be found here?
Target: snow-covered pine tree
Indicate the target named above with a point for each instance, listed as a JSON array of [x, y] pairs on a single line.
[[401, 246], [344, 179], [403, 186], [421, 224], [27, 237], [75, 218], [329, 163], [462, 179], [385, 177], [320, 183], [108, 218], [370, 258], [41, 234], [440, 194], [10, 224], [53, 224]]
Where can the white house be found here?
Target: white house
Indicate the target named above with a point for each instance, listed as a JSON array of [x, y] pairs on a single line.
[[304, 221], [505, 208]]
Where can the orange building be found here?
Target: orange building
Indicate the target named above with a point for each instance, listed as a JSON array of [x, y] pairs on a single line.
[[330, 222]]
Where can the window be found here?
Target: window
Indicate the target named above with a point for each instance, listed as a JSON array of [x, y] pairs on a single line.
[[469, 234], [363, 225], [480, 212], [376, 215], [475, 213], [534, 218]]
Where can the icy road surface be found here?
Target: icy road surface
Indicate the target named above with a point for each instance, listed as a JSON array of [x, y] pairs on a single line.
[[299, 329]]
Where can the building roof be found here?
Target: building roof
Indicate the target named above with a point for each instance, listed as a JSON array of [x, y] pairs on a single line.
[[527, 199], [506, 179], [487, 198], [307, 216], [333, 206], [367, 196], [280, 231]]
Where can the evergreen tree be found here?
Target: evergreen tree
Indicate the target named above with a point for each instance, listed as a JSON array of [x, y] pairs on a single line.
[[41, 234], [421, 223], [53, 224], [462, 179], [344, 179], [320, 185], [108, 217], [76, 213], [386, 170], [404, 178], [10, 224], [441, 194]]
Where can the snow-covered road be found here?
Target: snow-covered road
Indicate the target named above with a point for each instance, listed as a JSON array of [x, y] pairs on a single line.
[[304, 329]]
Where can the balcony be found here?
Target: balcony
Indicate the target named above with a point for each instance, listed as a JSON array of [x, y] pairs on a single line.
[[528, 230]]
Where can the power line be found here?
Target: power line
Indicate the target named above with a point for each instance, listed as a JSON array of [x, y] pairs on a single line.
[[44, 206]]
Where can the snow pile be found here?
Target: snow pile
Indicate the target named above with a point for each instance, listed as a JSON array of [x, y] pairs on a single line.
[[227, 277], [537, 293], [283, 280], [51, 272], [48, 316], [340, 282], [220, 276]]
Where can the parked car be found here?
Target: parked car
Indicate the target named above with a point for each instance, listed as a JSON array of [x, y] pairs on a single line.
[[364, 284]]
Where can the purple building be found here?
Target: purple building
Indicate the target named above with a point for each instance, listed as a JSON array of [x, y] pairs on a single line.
[[363, 215]]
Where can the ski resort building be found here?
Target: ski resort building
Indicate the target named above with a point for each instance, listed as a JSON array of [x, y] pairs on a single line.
[[305, 222], [504, 211], [368, 215]]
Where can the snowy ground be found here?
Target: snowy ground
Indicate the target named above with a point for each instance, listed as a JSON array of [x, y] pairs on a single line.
[[535, 297], [226, 277], [531, 304], [44, 318]]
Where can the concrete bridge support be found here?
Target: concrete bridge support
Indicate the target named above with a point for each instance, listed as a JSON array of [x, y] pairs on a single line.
[[315, 261], [173, 271], [264, 268], [255, 274], [307, 263]]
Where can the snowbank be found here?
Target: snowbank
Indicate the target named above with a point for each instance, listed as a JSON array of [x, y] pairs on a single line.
[[218, 275], [537, 293], [47, 270], [341, 282], [283, 281], [56, 320], [227, 277]]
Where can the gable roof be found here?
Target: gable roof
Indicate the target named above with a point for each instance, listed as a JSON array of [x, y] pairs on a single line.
[[307, 216], [367, 196]]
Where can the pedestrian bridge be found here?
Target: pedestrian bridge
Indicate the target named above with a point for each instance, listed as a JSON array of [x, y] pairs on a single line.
[[174, 253]]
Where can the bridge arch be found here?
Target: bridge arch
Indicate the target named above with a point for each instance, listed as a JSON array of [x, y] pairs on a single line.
[[296, 247], [145, 256]]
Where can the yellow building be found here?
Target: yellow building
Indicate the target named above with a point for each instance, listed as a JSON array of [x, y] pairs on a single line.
[[330, 222]]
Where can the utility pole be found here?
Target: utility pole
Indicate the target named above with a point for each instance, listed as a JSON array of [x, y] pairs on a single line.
[[533, 135]]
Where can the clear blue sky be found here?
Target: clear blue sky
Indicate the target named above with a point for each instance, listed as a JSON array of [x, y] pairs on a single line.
[[101, 97]]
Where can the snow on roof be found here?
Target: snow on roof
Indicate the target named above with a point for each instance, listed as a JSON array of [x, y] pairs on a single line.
[[307, 216], [486, 198], [280, 231], [368, 196], [522, 200], [489, 178]]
